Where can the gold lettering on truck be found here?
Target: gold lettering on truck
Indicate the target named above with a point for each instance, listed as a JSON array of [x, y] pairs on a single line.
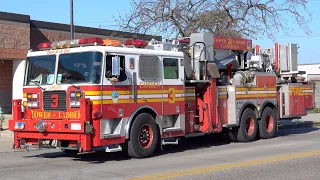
[[149, 85], [55, 115]]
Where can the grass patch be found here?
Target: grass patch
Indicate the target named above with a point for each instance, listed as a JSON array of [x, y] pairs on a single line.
[[316, 110]]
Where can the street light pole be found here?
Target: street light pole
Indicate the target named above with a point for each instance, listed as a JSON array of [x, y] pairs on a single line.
[[71, 20]]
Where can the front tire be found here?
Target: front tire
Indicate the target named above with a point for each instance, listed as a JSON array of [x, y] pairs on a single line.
[[143, 137], [248, 129]]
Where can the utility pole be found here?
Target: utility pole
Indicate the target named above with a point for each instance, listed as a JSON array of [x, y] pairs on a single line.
[[71, 20]]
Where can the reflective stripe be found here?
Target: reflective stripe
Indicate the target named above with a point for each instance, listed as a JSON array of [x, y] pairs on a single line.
[[256, 92], [96, 93], [306, 91], [189, 94], [222, 93], [243, 96], [147, 96], [255, 89]]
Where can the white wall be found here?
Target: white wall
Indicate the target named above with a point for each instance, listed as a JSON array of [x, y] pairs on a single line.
[[310, 69]]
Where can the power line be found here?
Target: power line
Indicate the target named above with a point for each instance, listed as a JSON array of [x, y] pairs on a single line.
[[289, 36]]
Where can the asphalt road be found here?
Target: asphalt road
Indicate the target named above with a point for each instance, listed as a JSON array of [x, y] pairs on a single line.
[[293, 154]]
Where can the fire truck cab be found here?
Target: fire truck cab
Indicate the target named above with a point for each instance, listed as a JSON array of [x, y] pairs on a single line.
[[92, 94]]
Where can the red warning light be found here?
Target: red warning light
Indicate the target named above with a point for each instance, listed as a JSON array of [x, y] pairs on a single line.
[[93, 40], [45, 45], [135, 43]]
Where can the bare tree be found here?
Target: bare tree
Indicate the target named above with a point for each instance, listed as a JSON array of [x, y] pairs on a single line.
[[248, 18]]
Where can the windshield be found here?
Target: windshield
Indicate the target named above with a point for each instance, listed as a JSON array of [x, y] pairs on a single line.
[[84, 67], [40, 70]]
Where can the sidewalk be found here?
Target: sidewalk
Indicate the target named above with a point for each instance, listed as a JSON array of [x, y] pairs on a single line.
[[5, 125], [6, 136], [311, 120]]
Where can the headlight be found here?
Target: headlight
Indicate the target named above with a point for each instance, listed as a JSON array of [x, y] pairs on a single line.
[[32, 96], [75, 99], [72, 94], [33, 104], [74, 103], [32, 100], [75, 94]]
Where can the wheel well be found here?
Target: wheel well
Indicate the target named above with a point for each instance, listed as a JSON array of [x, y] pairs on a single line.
[[143, 110], [251, 106], [269, 104]]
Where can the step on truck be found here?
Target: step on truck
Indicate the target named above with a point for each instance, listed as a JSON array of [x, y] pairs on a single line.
[[94, 94]]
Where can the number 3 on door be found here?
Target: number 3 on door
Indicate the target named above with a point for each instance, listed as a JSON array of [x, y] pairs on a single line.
[[172, 95]]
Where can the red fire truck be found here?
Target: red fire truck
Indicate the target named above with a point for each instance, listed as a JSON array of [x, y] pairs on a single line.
[[92, 94]]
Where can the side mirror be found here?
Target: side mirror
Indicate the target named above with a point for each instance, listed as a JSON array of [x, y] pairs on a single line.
[[115, 66]]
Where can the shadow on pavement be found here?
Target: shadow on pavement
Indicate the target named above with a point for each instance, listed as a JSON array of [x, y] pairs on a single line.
[[196, 143], [96, 158], [101, 157], [296, 131]]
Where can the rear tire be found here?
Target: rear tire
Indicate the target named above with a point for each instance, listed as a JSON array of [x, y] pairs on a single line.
[[248, 129], [144, 137], [267, 124]]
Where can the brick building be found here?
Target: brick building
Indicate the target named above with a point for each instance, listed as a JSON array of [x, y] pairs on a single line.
[[18, 34]]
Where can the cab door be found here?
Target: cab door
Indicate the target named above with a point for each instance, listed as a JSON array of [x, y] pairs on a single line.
[[116, 90]]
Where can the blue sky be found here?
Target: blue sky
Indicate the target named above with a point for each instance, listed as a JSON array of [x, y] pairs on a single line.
[[100, 13]]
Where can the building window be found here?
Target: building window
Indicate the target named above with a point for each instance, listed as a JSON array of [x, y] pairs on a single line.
[[170, 68]]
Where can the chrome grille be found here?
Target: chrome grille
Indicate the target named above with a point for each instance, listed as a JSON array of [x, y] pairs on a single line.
[[54, 100]]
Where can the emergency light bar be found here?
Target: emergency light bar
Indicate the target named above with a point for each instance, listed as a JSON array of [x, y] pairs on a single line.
[[89, 42], [70, 43]]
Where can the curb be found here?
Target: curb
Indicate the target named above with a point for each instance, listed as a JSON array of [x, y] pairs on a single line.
[[22, 150], [6, 133], [301, 125]]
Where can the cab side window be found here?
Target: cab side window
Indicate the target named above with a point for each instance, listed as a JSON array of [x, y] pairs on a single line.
[[170, 68], [122, 76]]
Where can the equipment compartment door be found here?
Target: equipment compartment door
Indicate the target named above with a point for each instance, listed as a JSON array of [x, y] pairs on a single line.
[[297, 103], [308, 93]]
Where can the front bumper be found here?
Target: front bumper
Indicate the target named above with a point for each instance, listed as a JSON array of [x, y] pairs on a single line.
[[75, 133], [80, 141]]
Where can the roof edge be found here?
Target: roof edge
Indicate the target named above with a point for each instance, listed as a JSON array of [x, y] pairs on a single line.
[[14, 17], [90, 30]]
